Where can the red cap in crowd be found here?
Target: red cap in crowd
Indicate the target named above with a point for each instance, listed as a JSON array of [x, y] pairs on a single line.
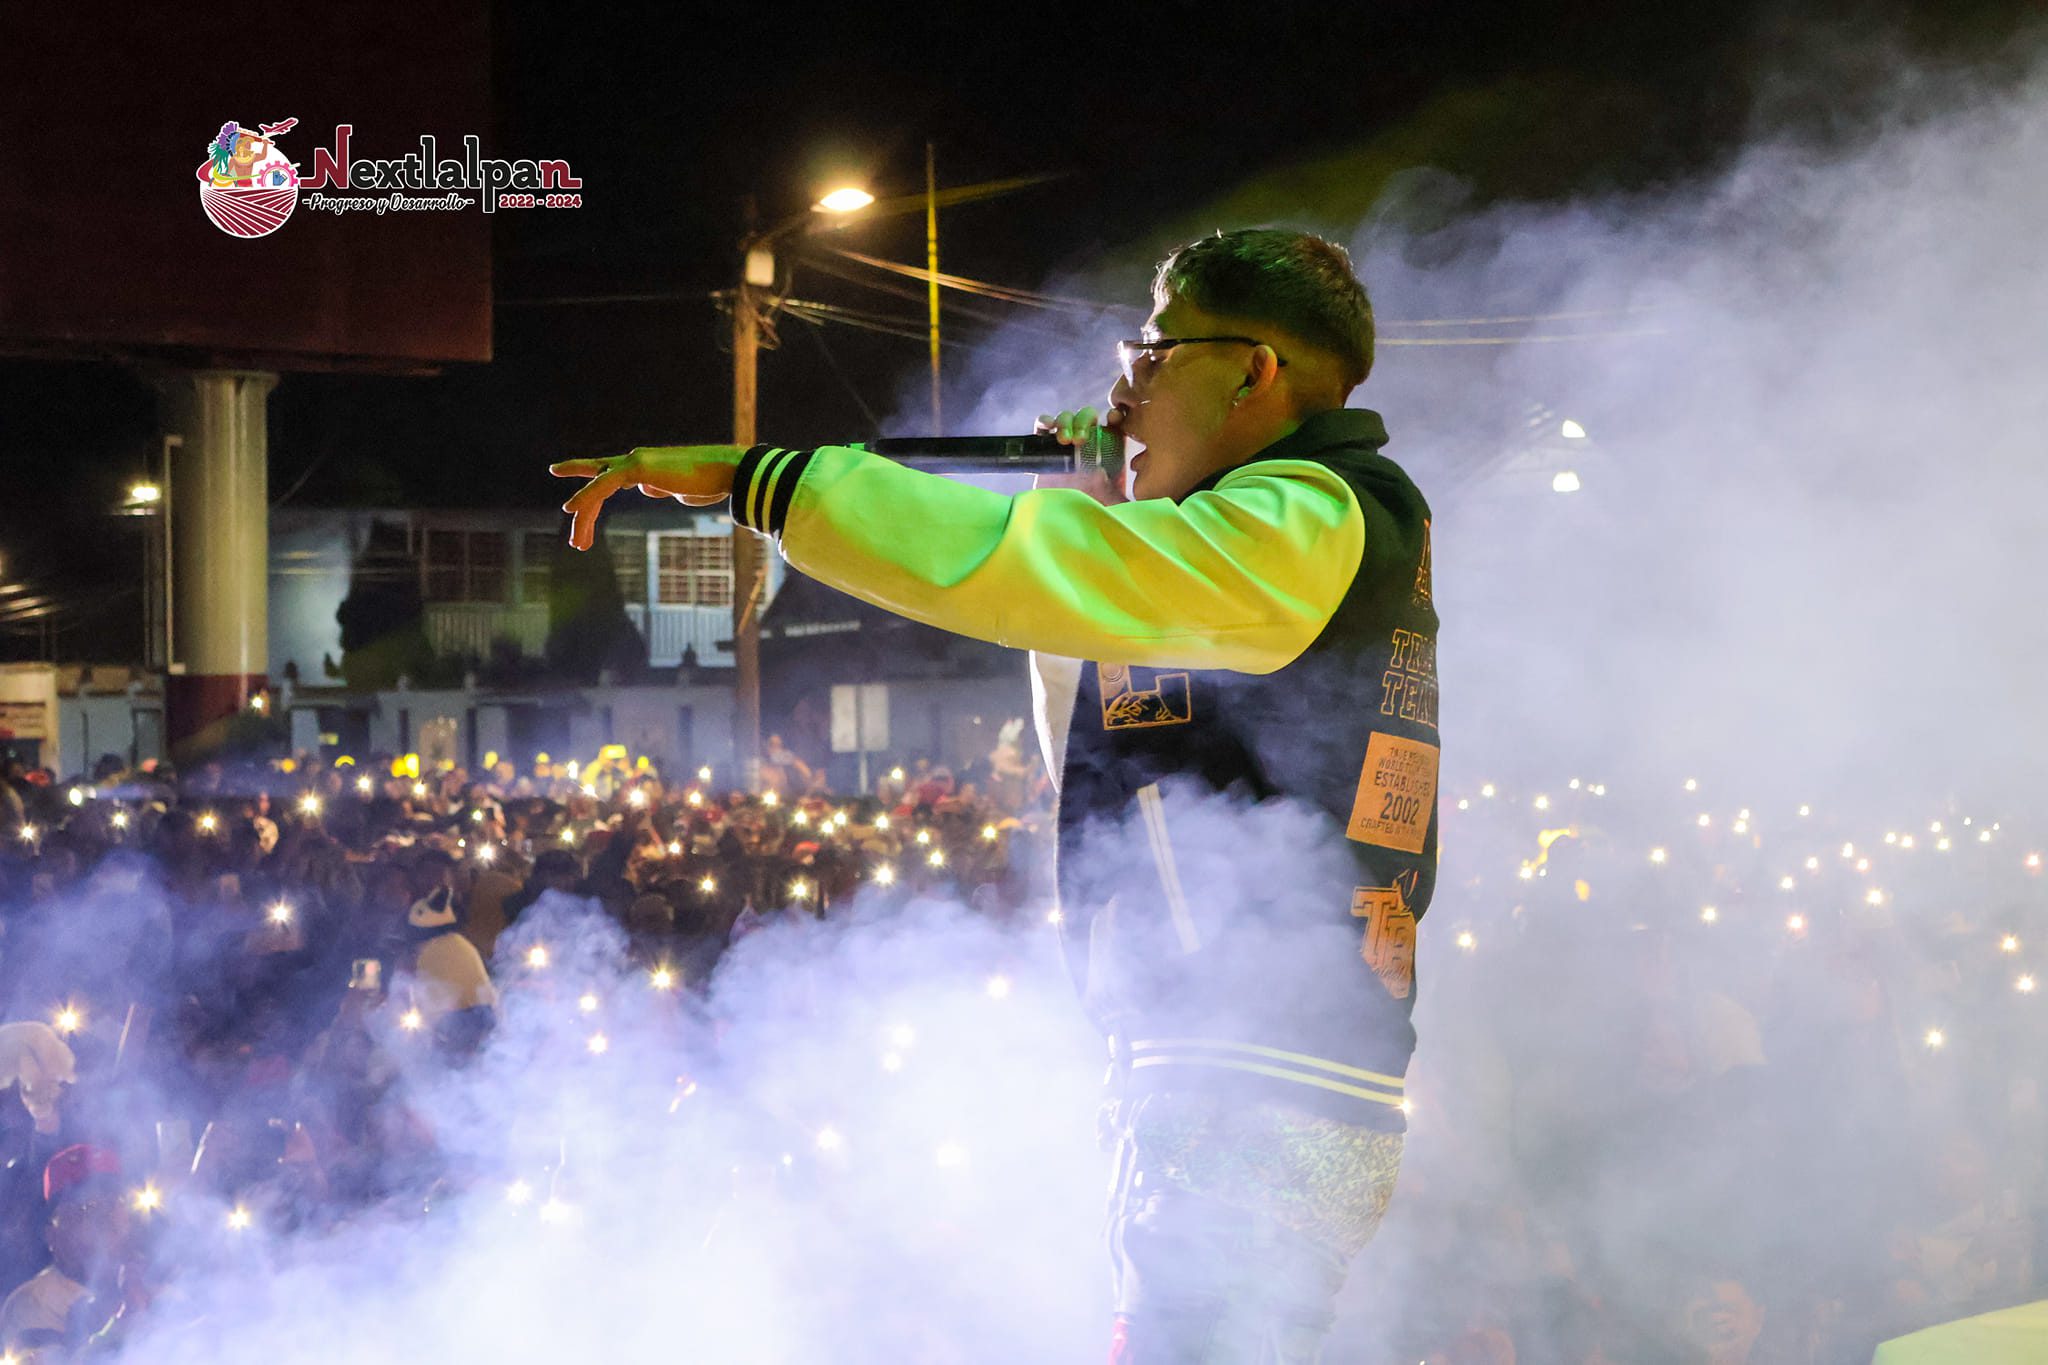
[[75, 1165]]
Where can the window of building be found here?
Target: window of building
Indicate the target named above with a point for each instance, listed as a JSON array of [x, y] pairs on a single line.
[[443, 559], [490, 567], [465, 566], [629, 563], [536, 556], [693, 571]]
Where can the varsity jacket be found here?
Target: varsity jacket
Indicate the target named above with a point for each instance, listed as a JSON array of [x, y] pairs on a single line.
[[1247, 818]]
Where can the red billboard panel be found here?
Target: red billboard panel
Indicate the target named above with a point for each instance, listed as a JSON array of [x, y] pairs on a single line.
[[286, 188]]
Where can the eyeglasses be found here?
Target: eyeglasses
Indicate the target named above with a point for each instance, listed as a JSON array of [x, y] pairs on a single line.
[[1130, 353]]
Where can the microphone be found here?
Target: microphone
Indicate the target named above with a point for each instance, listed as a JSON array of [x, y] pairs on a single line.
[[1040, 453]]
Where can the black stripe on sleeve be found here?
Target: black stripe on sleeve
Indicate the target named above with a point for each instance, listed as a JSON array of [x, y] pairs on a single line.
[[764, 487], [757, 496], [786, 479], [744, 475]]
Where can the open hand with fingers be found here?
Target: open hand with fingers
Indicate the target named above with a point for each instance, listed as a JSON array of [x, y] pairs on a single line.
[[696, 475]]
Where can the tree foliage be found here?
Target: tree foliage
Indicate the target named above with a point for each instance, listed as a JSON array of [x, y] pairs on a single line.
[[383, 620], [588, 629]]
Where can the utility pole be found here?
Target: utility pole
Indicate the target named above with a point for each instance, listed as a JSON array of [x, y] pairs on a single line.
[[748, 568], [750, 304], [931, 258]]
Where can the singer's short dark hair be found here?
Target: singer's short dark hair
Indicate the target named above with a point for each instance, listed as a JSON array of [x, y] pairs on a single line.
[[1297, 281]]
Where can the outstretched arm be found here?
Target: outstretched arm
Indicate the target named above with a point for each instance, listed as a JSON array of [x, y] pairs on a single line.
[[1243, 576]]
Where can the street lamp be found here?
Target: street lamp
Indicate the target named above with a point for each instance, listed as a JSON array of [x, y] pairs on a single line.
[[757, 275], [150, 499], [844, 200]]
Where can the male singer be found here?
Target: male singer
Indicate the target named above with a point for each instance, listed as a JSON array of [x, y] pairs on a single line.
[[1247, 822]]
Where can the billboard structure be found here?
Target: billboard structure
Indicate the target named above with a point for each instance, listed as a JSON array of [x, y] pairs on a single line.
[[220, 212]]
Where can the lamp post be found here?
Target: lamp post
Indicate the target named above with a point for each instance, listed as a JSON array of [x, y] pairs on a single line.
[[145, 500], [150, 499], [757, 277], [166, 564]]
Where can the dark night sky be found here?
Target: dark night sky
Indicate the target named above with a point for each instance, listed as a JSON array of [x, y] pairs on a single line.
[[1149, 112]]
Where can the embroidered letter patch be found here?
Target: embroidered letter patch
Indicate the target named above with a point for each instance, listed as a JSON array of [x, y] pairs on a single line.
[[1389, 943]]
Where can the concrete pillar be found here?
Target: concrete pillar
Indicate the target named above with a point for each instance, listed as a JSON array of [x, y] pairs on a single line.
[[219, 499]]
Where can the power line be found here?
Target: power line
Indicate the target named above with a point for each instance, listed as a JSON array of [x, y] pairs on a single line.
[[300, 482], [1034, 299], [1008, 294], [826, 267], [812, 313], [817, 334], [840, 312], [887, 324]]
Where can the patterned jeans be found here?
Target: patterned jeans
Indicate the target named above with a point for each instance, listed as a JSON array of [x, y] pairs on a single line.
[[1232, 1226]]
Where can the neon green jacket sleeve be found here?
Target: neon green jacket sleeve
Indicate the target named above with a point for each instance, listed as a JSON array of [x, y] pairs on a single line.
[[1243, 576]]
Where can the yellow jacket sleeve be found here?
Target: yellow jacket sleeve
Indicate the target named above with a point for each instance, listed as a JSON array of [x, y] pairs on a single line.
[[1243, 576]]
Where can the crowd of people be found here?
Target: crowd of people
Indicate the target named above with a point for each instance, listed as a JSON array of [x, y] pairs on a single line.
[[1764, 1092], [205, 969], [1706, 1083]]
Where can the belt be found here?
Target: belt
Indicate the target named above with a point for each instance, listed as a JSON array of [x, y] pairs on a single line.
[[1271, 1062]]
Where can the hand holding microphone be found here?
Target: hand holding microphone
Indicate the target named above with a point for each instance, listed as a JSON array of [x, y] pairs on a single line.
[[1071, 444], [1081, 429]]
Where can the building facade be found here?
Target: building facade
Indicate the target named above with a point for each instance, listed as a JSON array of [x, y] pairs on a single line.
[[851, 688], [483, 579]]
